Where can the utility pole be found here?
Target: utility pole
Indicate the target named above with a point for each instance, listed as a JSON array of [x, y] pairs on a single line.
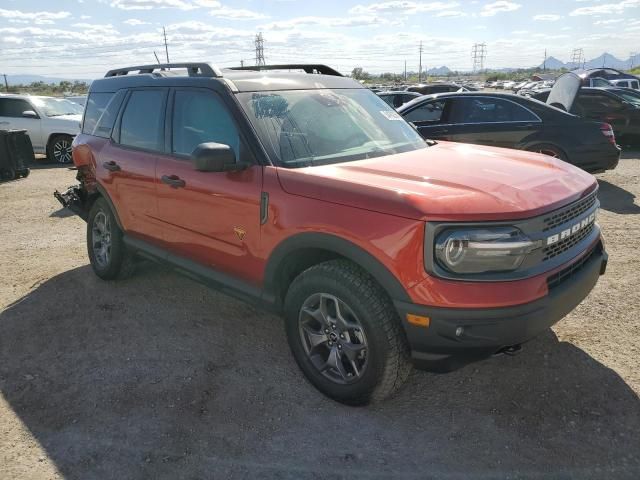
[[632, 57], [544, 64], [242, 63], [405, 70], [156, 55], [604, 60], [478, 52], [166, 47], [6, 84], [259, 43], [577, 57], [420, 64]]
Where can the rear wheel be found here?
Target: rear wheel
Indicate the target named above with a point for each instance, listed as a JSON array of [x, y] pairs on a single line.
[[108, 254], [345, 333], [59, 149], [550, 150]]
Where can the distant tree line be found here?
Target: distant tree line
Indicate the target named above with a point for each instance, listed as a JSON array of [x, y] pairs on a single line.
[[51, 89]]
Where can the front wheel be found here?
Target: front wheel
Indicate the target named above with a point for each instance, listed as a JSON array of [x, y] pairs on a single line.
[[345, 333], [108, 254], [550, 150], [59, 149]]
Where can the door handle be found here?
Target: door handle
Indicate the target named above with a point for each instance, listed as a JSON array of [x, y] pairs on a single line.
[[440, 131], [111, 166], [173, 181]]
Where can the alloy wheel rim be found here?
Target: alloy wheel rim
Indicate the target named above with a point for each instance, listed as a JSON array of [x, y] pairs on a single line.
[[333, 338], [62, 151], [550, 153], [101, 239]]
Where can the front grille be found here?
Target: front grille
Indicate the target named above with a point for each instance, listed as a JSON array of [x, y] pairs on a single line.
[[564, 245], [569, 213], [564, 274]]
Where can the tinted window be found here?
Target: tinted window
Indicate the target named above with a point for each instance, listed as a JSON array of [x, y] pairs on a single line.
[[96, 103], [107, 118], [388, 99], [596, 103], [635, 85], [143, 120], [488, 110], [13, 107], [427, 112], [200, 117]]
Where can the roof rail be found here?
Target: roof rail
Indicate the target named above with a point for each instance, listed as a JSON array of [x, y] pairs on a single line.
[[307, 67], [194, 69]]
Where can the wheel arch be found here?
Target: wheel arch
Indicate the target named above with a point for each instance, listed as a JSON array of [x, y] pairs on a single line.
[[102, 193], [58, 134], [299, 252]]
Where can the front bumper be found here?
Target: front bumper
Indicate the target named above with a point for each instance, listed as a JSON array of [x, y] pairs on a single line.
[[456, 337]]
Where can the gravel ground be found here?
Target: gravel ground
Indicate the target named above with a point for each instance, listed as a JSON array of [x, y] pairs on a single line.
[[159, 377]]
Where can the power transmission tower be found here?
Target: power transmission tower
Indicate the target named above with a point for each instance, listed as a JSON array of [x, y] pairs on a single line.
[[479, 53], [166, 47], [259, 43], [577, 57], [420, 64]]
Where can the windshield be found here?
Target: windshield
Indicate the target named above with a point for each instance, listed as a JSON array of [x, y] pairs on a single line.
[[312, 127], [54, 107]]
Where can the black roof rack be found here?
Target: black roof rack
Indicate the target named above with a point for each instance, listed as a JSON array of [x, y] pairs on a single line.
[[307, 67], [194, 69]]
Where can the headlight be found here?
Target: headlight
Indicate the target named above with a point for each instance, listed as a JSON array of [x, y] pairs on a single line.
[[479, 250]]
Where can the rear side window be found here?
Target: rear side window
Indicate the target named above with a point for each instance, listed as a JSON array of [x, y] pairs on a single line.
[[108, 117], [596, 104], [143, 120], [489, 110], [96, 104], [13, 107], [199, 117], [427, 112]]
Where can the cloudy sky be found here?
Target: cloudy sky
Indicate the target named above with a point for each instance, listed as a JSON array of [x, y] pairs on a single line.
[[84, 38]]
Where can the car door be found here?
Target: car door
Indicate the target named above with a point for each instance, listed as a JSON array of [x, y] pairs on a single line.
[[126, 165], [602, 107], [492, 121], [212, 218], [430, 118], [12, 117]]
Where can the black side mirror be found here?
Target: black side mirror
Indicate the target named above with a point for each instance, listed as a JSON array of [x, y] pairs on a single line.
[[215, 157], [29, 114]]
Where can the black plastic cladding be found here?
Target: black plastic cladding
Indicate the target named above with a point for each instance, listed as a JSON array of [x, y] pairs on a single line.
[[542, 259]]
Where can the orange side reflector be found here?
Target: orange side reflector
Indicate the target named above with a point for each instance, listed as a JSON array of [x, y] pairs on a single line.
[[418, 320]]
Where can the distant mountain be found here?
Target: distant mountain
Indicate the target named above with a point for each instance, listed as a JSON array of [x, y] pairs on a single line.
[[606, 59], [552, 63], [439, 71], [27, 79]]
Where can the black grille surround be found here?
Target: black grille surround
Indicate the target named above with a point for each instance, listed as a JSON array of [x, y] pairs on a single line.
[[566, 273], [556, 244], [566, 214]]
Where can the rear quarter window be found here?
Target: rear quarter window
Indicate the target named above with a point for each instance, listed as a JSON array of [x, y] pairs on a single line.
[[96, 105]]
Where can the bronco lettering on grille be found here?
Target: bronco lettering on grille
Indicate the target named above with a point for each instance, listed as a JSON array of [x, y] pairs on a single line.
[[566, 233]]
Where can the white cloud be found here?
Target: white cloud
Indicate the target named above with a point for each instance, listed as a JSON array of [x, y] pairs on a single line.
[[96, 28], [85, 17], [547, 17], [151, 4], [451, 14], [236, 13], [609, 22], [402, 7], [606, 8], [39, 18], [134, 21], [490, 9], [326, 22]]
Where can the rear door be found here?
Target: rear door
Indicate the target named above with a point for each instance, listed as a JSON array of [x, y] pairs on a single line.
[[430, 118], [12, 118], [491, 121], [209, 217], [602, 107], [126, 165]]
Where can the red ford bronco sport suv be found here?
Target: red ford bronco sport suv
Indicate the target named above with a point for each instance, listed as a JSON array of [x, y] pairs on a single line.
[[306, 193]]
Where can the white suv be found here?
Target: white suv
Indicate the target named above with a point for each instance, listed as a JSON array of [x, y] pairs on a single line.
[[50, 122]]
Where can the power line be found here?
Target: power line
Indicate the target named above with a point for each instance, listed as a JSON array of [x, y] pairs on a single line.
[[259, 43], [478, 52]]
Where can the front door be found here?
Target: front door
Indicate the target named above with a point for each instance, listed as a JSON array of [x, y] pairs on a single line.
[[212, 218], [12, 118], [430, 118]]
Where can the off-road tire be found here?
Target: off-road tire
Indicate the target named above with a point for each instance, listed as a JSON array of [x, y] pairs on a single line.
[[51, 147], [387, 352], [121, 263]]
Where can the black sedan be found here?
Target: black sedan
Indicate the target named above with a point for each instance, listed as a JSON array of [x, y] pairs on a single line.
[[619, 107], [512, 121]]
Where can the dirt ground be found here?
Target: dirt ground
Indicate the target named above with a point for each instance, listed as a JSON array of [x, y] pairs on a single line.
[[159, 377]]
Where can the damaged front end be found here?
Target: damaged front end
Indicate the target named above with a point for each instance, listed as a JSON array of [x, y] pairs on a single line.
[[78, 198]]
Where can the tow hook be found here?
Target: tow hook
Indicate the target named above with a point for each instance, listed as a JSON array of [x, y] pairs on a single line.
[[511, 350]]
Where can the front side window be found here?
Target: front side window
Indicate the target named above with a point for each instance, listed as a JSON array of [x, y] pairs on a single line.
[[13, 107], [143, 120], [199, 117], [96, 104], [489, 110], [310, 127], [427, 112]]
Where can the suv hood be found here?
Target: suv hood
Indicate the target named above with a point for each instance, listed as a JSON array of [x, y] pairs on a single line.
[[449, 181], [564, 91]]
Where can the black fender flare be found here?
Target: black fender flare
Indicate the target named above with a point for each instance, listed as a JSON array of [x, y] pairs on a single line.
[[103, 193], [334, 244]]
